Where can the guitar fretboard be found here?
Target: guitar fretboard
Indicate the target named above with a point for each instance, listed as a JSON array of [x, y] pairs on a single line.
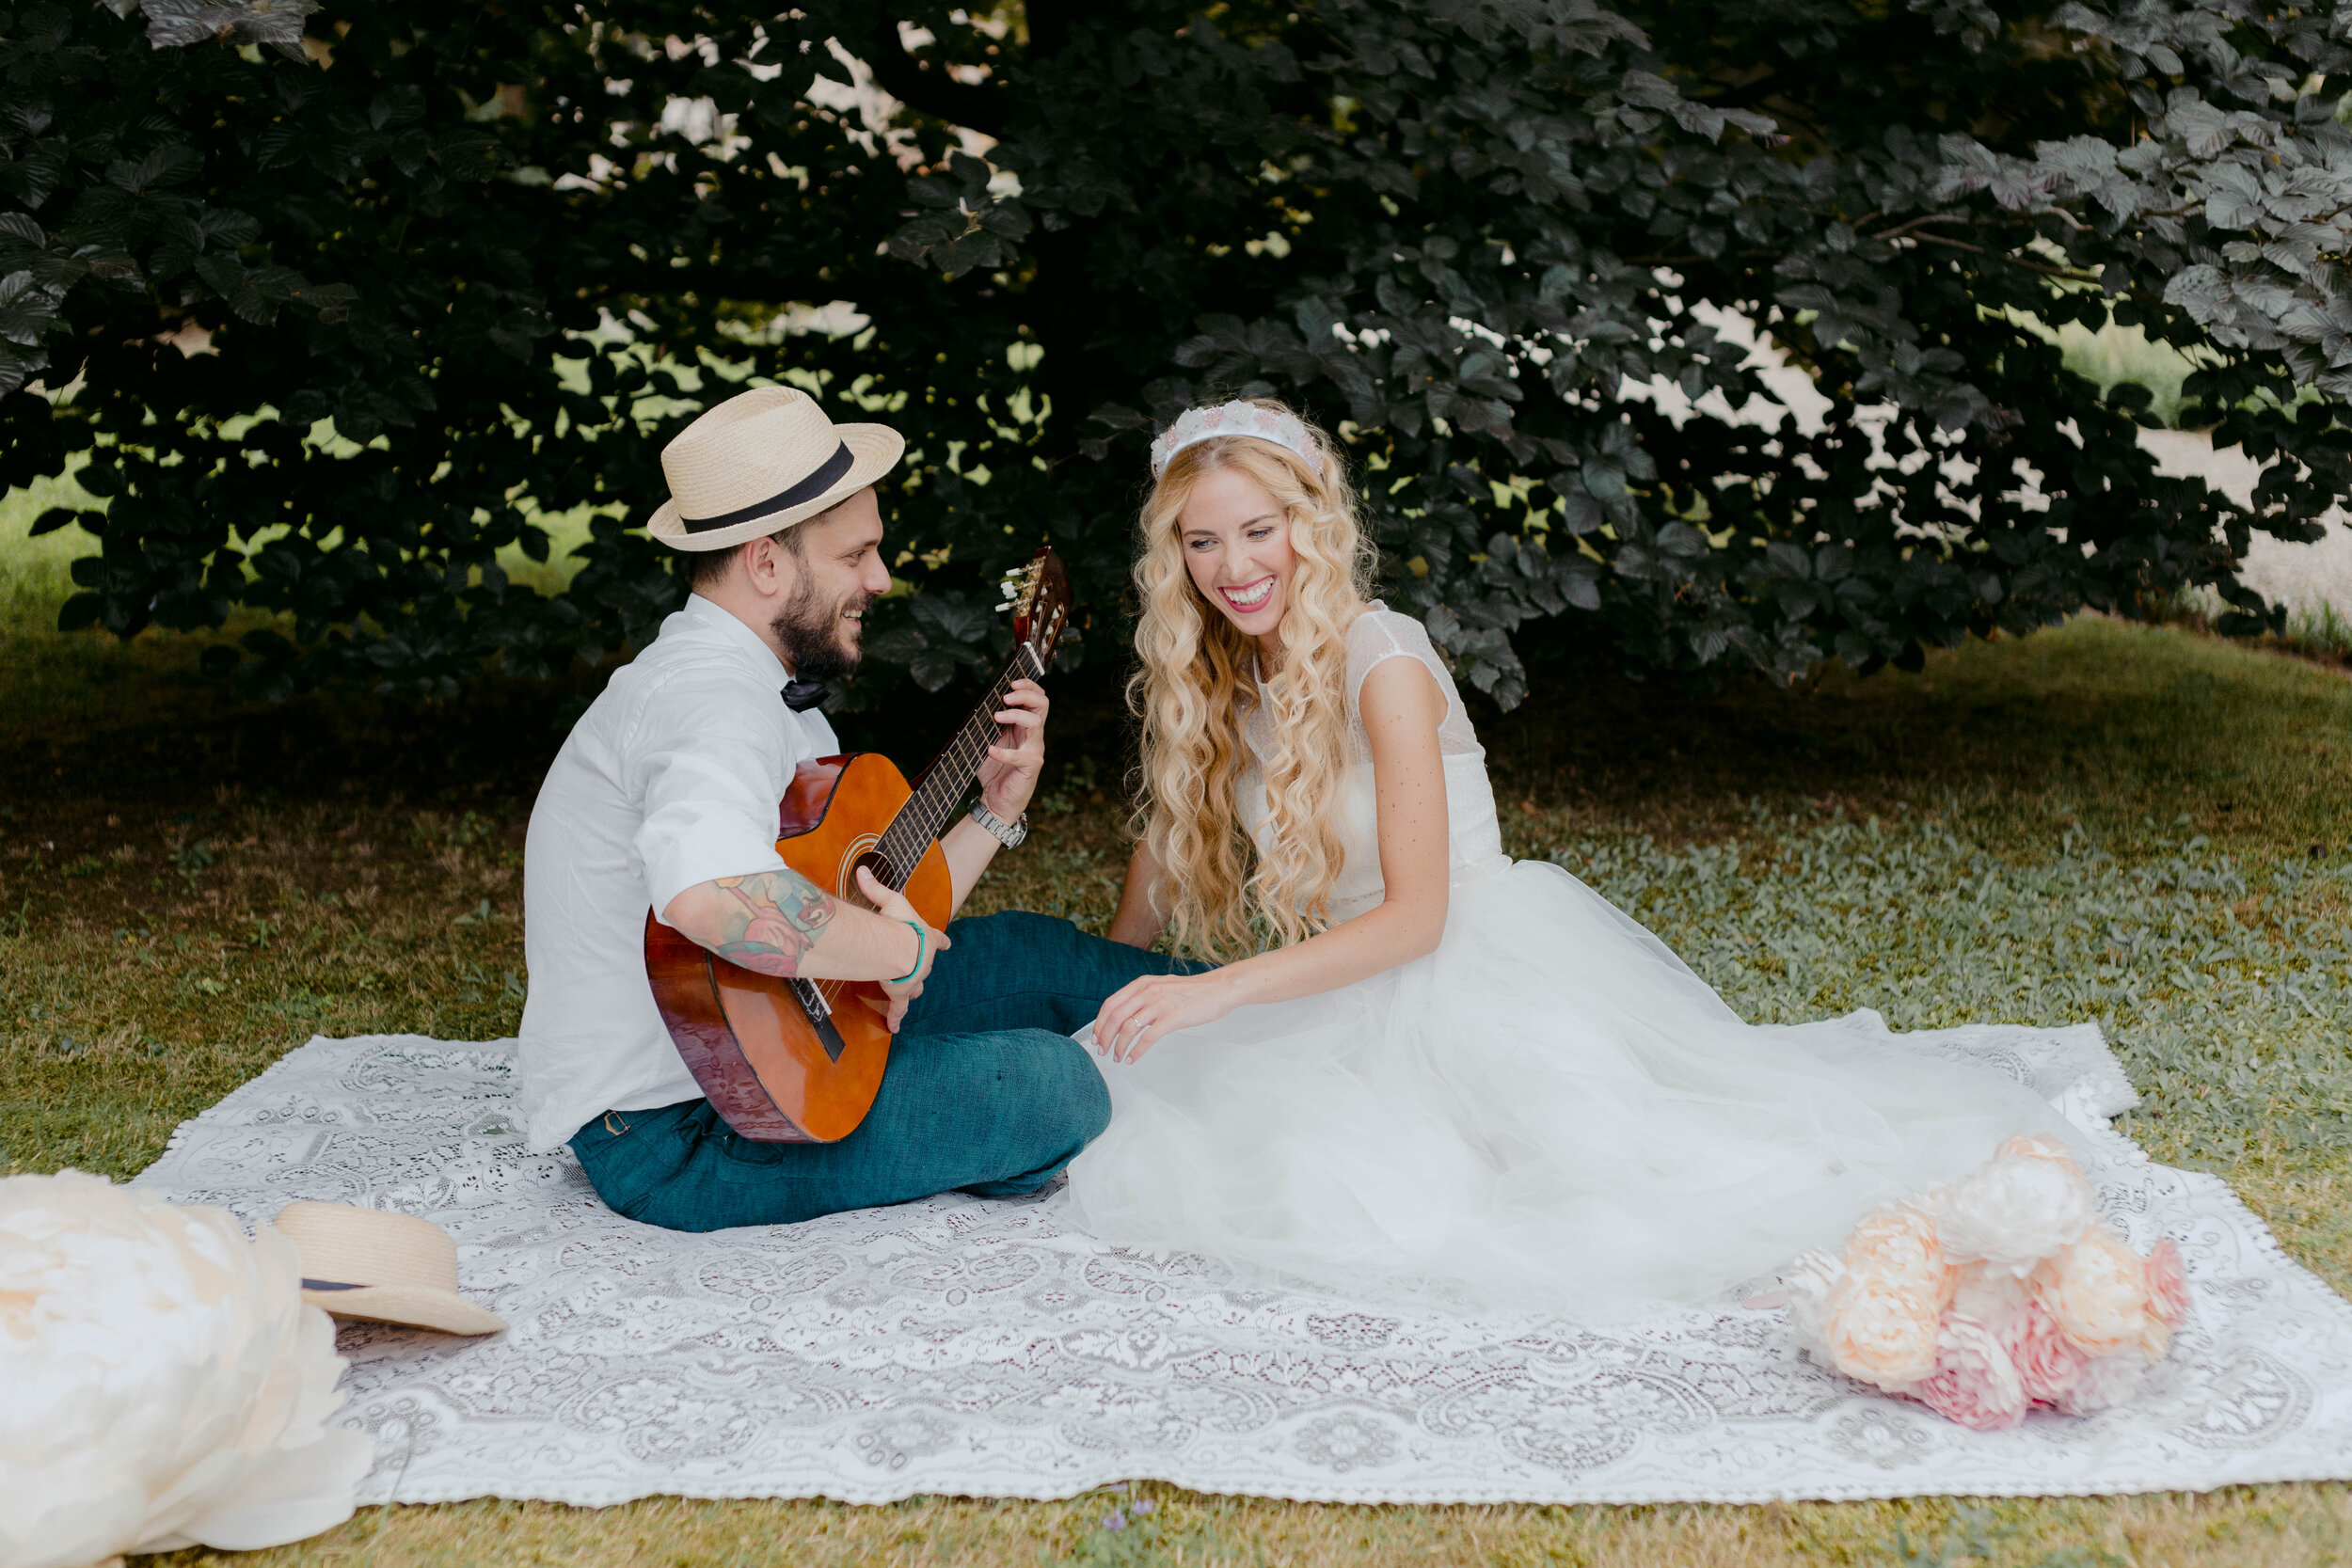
[[919, 821]]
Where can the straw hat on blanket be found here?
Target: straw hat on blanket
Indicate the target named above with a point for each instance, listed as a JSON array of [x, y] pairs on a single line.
[[389, 1268], [760, 462]]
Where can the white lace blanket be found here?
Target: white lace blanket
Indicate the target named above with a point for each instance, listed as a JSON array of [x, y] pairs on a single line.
[[975, 1347]]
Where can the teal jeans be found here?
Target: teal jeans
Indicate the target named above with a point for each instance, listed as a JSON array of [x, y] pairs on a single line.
[[985, 1093]]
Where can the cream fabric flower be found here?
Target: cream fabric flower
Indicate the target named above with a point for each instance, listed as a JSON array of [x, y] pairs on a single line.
[[2012, 1212], [1901, 1243], [2038, 1145], [2096, 1290], [165, 1384], [1880, 1332]]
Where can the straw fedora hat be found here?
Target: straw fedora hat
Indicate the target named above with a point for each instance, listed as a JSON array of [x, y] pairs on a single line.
[[390, 1268], [760, 462]]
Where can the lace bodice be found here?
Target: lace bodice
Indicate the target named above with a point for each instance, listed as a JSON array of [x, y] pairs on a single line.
[[1473, 837]]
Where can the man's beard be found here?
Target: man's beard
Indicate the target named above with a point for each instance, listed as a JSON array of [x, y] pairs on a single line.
[[813, 636]]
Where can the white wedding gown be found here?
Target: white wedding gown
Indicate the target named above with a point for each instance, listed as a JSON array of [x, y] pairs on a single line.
[[1549, 1110]]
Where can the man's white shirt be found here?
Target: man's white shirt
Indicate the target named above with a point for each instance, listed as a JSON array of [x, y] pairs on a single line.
[[671, 778]]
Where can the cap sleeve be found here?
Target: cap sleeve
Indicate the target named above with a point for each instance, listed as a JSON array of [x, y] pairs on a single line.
[[1381, 634]]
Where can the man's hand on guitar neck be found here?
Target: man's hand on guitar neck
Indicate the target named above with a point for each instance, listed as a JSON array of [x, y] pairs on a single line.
[[780, 923], [1007, 777]]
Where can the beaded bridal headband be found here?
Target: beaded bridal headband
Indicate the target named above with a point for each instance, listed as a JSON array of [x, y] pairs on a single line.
[[1236, 419]]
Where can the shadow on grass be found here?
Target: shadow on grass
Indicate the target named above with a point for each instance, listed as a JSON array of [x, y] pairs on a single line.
[[2136, 731], [2131, 728]]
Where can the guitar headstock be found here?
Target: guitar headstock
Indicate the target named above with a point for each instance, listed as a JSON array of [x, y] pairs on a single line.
[[1039, 596]]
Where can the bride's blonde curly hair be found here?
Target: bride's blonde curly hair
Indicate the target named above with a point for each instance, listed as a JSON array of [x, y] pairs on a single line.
[[1197, 682]]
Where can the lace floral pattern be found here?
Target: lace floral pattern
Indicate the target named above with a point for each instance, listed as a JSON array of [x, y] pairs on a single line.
[[966, 1346]]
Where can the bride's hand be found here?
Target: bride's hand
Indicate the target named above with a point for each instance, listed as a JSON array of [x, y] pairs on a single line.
[[1142, 1011]]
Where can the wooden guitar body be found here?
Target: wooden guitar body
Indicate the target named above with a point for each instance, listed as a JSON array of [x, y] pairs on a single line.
[[771, 1072], [800, 1061]]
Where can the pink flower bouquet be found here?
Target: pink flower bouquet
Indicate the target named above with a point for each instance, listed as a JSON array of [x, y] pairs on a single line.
[[2002, 1291]]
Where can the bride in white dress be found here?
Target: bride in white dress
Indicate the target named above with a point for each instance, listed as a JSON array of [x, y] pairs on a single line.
[[1447, 1076]]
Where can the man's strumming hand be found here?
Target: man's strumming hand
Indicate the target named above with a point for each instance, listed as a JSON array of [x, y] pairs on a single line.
[[898, 993]]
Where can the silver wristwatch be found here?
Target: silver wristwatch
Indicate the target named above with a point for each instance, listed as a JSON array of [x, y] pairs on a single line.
[[1009, 835]]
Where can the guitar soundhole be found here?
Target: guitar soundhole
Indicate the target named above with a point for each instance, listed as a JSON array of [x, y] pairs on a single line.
[[884, 873]]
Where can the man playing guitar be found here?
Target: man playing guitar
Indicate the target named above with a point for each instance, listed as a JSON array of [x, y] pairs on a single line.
[[665, 795]]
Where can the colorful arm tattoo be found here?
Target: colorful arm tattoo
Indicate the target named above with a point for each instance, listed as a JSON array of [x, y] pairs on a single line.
[[770, 919]]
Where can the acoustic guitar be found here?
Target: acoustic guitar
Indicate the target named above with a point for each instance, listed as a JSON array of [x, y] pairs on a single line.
[[800, 1061]]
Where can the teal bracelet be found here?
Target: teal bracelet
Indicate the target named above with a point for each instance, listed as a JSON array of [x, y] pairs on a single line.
[[922, 946]]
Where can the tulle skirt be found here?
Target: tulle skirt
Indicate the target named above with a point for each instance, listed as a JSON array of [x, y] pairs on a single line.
[[1550, 1110]]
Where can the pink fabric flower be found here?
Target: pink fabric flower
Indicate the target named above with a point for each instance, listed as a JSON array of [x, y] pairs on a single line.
[[2097, 1293], [2048, 1364], [1880, 1332], [1999, 1292], [2168, 1283], [1975, 1383]]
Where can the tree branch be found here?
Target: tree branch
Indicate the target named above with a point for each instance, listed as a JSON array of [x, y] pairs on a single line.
[[2070, 277], [1909, 224], [2069, 219]]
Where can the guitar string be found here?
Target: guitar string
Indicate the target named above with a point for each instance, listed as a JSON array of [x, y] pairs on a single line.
[[910, 833], [919, 819]]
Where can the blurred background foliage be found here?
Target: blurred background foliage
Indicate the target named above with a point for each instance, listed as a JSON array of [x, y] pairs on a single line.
[[347, 316]]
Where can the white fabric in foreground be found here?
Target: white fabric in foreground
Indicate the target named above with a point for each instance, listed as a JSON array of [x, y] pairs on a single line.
[[962, 1346]]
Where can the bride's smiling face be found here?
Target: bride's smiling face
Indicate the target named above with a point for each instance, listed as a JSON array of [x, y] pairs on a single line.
[[1237, 547]]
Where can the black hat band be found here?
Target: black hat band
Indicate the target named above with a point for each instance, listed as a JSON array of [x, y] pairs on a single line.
[[828, 474]]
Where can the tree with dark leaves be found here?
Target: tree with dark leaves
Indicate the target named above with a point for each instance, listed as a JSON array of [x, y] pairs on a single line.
[[460, 268]]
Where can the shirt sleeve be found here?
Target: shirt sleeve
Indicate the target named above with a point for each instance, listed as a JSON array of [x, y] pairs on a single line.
[[708, 768]]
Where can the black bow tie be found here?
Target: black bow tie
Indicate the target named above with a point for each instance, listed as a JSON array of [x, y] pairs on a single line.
[[800, 696]]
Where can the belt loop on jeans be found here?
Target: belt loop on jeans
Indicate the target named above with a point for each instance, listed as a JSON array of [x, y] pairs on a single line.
[[616, 1131]]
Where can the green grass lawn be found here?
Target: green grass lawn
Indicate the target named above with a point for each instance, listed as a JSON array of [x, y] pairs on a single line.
[[2142, 826]]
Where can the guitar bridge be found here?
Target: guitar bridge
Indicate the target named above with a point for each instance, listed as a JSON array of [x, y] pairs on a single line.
[[812, 998]]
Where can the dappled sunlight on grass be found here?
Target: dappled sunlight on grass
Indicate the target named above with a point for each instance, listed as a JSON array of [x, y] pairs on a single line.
[[2142, 734], [36, 572]]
